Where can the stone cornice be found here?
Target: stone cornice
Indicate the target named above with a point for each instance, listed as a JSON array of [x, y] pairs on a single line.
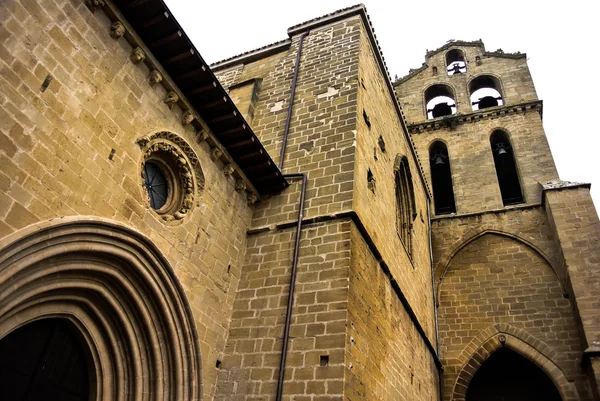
[[449, 122]]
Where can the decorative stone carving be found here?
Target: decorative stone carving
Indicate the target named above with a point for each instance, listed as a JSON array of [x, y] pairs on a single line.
[[178, 169], [117, 30], [94, 4], [201, 135], [138, 55], [252, 198], [215, 154], [155, 77], [477, 60], [171, 99], [502, 338], [183, 145], [187, 117], [240, 185], [228, 169]]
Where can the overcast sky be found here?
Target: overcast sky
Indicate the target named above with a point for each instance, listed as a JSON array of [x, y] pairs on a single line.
[[560, 39]]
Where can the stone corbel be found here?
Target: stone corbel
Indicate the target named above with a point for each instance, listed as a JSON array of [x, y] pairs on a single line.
[[240, 185], [187, 117], [215, 154], [154, 78], [252, 198], [201, 135], [228, 169], [138, 55], [117, 30], [171, 99], [94, 4]]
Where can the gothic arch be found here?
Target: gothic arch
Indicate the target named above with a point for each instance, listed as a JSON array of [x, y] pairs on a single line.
[[519, 341], [119, 291], [442, 266]]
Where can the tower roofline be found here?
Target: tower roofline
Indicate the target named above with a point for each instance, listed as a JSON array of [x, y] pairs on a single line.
[[452, 43]]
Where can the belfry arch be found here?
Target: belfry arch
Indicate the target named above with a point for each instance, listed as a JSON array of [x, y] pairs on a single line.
[[117, 293]]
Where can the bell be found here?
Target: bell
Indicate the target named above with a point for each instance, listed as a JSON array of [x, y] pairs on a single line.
[[438, 159], [500, 150], [456, 69]]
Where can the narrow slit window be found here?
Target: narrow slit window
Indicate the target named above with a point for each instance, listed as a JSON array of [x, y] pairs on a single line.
[[405, 202], [441, 179], [506, 169], [439, 101]]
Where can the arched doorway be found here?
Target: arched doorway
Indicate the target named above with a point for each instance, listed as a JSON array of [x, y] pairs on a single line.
[[104, 294], [508, 376], [44, 360]]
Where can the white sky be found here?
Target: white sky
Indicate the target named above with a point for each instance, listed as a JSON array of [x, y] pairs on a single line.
[[560, 39]]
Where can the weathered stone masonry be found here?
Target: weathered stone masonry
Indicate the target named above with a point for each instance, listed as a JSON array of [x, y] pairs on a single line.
[[188, 301]]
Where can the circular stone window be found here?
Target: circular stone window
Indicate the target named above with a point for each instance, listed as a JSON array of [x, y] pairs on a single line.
[[168, 181]]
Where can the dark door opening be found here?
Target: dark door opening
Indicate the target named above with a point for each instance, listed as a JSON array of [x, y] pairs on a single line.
[[43, 360], [507, 376]]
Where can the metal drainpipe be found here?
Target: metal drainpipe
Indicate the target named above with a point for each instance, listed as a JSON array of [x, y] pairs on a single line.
[[435, 315], [288, 314], [290, 303], [291, 102]]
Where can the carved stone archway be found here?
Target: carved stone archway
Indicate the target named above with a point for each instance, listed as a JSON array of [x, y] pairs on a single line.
[[121, 294], [499, 336]]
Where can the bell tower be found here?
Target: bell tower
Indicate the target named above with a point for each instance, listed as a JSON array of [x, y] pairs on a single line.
[[477, 116], [513, 246]]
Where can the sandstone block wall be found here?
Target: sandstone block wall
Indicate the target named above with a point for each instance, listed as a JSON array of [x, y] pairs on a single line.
[[386, 357], [56, 146], [338, 77], [315, 362]]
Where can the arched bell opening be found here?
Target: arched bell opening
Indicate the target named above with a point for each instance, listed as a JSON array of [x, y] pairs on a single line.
[[506, 375], [441, 178], [455, 62], [45, 360], [506, 169], [485, 92], [439, 101]]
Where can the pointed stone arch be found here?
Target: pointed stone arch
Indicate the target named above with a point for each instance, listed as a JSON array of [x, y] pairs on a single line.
[[119, 291], [443, 264], [519, 341]]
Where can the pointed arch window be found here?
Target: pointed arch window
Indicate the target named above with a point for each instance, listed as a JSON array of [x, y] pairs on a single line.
[[441, 179], [506, 169], [405, 202]]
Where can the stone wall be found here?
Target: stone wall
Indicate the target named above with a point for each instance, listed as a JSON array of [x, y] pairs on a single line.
[[315, 359], [377, 207], [70, 149], [386, 358]]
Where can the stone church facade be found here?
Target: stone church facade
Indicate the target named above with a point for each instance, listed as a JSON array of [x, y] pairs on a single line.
[[285, 224]]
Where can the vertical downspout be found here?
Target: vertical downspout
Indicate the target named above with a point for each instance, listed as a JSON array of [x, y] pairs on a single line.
[[435, 304], [290, 303], [291, 102], [288, 313]]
